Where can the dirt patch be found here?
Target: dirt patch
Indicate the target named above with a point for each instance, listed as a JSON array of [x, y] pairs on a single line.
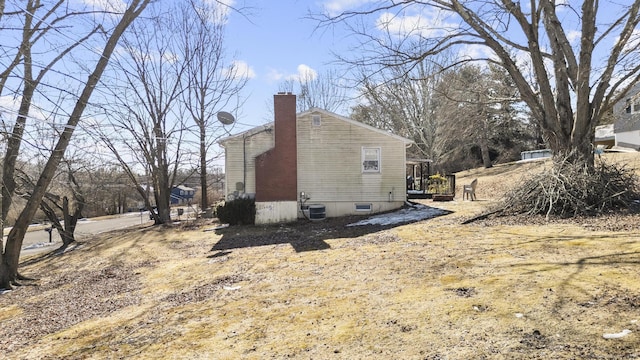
[[65, 301]]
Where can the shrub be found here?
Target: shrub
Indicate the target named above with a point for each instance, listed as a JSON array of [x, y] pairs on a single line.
[[237, 212]]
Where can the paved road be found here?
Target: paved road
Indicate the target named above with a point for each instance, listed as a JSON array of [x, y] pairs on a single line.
[[37, 240]]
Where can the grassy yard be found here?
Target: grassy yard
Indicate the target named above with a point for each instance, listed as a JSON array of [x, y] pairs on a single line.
[[434, 289]]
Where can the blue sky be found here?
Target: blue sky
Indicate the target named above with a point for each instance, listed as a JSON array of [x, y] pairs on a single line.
[[277, 42]]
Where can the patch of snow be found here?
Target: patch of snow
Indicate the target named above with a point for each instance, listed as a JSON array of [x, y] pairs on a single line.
[[39, 245], [519, 315], [231, 287], [222, 226], [622, 149], [531, 160], [621, 334], [412, 213], [133, 213], [218, 259], [415, 192]]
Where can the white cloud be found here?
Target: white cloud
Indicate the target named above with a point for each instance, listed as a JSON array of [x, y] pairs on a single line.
[[223, 6], [241, 69], [116, 6], [305, 72], [427, 23], [476, 52], [215, 11], [633, 43], [9, 104], [335, 7], [400, 25], [9, 107], [275, 75], [574, 36]]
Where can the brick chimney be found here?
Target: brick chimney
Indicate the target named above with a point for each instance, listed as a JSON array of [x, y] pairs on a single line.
[[277, 168]]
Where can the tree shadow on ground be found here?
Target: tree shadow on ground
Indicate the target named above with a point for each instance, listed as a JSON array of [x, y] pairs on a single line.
[[86, 243], [303, 235]]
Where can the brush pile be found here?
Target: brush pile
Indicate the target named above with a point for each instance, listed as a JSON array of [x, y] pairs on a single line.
[[568, 190]]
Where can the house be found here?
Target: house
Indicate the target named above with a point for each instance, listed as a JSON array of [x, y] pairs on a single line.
[[315, 162], [182, 195], [627, 124], [604, 137]]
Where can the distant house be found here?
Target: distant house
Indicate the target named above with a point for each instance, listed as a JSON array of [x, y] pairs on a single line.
[[315, 161], [605, 137], [627, 124], [182, 195]]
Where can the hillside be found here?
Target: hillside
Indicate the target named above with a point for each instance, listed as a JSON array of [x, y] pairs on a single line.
[[433, 289]]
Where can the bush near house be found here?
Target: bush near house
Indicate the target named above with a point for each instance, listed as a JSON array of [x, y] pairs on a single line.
[[237, 212]]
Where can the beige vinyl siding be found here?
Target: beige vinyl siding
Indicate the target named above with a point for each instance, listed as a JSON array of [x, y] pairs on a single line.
[[330, 165], [234, 154], [273, 212]]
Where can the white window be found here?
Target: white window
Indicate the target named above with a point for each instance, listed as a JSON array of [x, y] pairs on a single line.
[[633, 106], [370, 159], [315, 120]]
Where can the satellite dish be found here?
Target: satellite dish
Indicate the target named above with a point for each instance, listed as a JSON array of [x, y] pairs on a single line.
[[226, 118]]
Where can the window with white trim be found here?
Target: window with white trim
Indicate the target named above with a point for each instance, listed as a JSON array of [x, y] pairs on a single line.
[[370, 159], [633, 106], [315, 120]]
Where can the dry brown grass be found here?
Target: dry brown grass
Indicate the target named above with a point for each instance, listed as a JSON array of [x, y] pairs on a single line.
[[429, 290]]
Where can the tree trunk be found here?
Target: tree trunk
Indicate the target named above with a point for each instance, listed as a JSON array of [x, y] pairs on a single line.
[[11, 256], [484, 150], [575, 148], [15, 140], [163, 200], [70, 221], [484, 142], [204, 201], [66, 231]]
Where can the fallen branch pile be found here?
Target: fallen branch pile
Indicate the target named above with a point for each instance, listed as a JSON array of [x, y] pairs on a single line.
[[569, 189]]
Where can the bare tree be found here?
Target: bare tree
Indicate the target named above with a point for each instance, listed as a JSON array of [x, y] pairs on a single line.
[[38, 21], [213, 83], [325, 90], [146, 125], [10, 256], [565, 83], [62, 204], [480, 105], [402, 100]]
